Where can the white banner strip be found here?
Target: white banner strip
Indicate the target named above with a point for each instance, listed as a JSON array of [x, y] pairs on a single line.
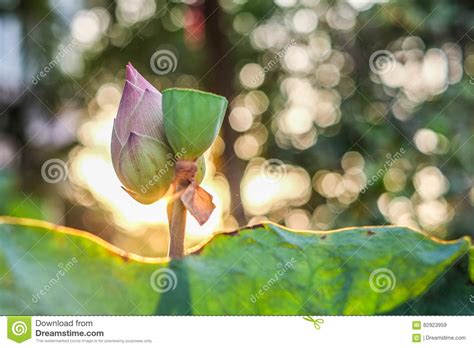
[[383, 331]]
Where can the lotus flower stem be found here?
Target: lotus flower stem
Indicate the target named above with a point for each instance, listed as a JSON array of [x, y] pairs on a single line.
[[177, 225]]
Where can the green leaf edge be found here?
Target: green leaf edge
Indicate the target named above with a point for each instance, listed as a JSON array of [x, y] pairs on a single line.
[[267, 225], [192, 90]]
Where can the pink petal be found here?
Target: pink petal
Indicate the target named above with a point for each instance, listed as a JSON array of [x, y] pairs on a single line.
[[131, 96], [115, 147], [136, 78], [131, 73], [147, 119]]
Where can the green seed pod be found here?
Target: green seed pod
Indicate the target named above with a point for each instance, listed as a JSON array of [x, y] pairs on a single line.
[[192, 120], [201, 170]]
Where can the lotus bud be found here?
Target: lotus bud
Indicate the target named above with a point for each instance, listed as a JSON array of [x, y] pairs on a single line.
[[140, 151], [192, 120]]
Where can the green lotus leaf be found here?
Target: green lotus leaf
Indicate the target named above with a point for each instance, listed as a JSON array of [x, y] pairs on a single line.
[[260, 270]]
